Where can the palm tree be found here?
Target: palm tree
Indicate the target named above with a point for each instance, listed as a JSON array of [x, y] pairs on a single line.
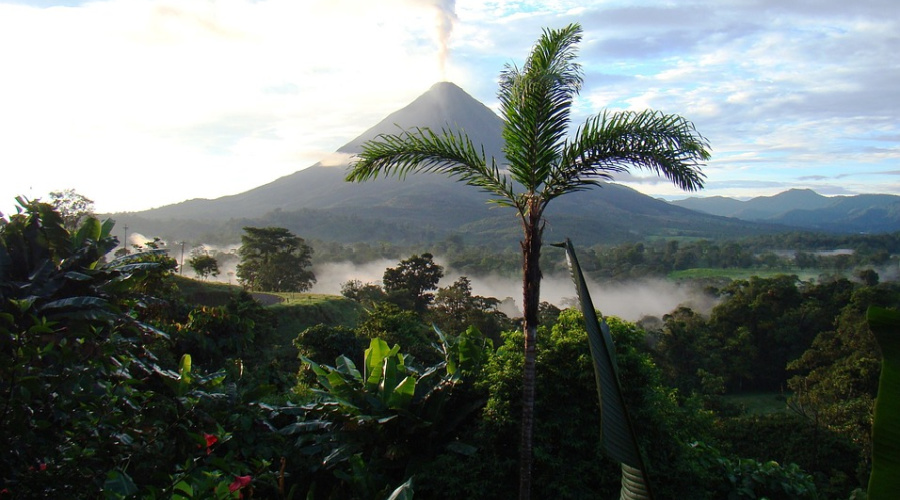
[[542, 163]]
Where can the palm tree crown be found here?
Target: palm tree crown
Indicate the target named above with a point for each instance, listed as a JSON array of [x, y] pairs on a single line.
[[536, 101], [541, 162]]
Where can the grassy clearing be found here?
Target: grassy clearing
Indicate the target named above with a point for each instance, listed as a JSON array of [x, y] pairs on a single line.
[[760, 403], [307, 299], [205, 293], [294, 312], [305, 310]]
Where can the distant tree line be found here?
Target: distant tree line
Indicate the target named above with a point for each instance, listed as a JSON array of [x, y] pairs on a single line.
[[787, 252]]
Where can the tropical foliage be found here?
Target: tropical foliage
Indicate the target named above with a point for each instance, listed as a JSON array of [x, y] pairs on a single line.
[[373, 429], [92, 397], [114, 385]]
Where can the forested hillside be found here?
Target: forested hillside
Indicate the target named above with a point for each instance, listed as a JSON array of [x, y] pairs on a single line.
[[121, 379]]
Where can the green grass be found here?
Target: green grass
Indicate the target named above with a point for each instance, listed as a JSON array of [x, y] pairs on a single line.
[[307, 299], [302, 311], [759, 403], [205, 293], [740, 274], [295, 311]]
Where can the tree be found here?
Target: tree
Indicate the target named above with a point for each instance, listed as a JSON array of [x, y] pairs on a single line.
[[837, 377], [399, 326], [204, 265], [455, 310], [542, 164], [868, 276], [73, 207], [275, 260], [412, 279], [364, 293]]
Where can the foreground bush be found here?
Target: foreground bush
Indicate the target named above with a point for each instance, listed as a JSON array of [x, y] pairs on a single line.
[[94, 401]]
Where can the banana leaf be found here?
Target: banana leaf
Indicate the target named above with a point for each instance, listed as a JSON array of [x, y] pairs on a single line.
[[884, 481], [618, 439]]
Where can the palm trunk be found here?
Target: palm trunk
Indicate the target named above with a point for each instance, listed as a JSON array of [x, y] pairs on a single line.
[[531, 256]]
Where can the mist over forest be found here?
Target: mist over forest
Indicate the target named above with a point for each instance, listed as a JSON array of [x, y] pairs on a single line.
[[631, 300]]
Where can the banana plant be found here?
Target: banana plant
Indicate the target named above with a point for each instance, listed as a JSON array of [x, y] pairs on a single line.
[[884, 481], [618, 439], [371, 428]]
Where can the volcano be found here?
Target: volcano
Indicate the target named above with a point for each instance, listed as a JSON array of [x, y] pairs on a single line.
[[316, 202]]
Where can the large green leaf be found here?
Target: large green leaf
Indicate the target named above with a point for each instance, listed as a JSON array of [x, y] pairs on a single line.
[[106, 228], [185, 379], [446, 350], [402, 394], [617, 433], [89, 231], [347, 366], [884, 482], [76, 303], [374, 361]]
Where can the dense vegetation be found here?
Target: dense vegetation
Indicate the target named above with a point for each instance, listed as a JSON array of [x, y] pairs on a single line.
[[119, 379]]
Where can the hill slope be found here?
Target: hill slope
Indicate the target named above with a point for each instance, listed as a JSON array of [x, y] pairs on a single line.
[[868, 213], [316, 202]]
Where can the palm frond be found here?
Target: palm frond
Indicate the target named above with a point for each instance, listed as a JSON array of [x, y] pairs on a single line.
[[423, 150], [536, 102], [614, 142]]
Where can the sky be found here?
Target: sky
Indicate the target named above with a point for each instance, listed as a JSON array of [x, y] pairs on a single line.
[[142, 103]]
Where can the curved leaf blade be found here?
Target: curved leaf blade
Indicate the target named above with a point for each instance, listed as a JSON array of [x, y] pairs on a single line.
[[884, 481], [618, 438]]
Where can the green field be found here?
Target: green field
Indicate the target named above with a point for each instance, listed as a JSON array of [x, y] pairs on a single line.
[[741, 273], [206, 293]]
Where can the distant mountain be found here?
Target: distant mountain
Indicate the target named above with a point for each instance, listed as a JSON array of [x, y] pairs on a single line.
[[317, 203], [804, 208]]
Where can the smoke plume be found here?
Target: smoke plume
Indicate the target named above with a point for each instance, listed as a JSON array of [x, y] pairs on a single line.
[[445, 17]]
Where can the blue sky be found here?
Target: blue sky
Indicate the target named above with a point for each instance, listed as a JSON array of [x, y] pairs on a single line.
[[142, 103]]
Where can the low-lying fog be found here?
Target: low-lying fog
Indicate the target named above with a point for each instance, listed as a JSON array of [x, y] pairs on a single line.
[[629, 301]]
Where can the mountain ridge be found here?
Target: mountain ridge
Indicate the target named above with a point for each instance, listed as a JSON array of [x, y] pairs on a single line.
[[805, 208], [317, 203]]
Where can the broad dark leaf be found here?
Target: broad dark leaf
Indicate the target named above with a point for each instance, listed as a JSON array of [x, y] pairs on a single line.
[[617, 433], [884, 481]]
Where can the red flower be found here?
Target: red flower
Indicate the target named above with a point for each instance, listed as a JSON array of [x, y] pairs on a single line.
[[239, 483], [210, 440]]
